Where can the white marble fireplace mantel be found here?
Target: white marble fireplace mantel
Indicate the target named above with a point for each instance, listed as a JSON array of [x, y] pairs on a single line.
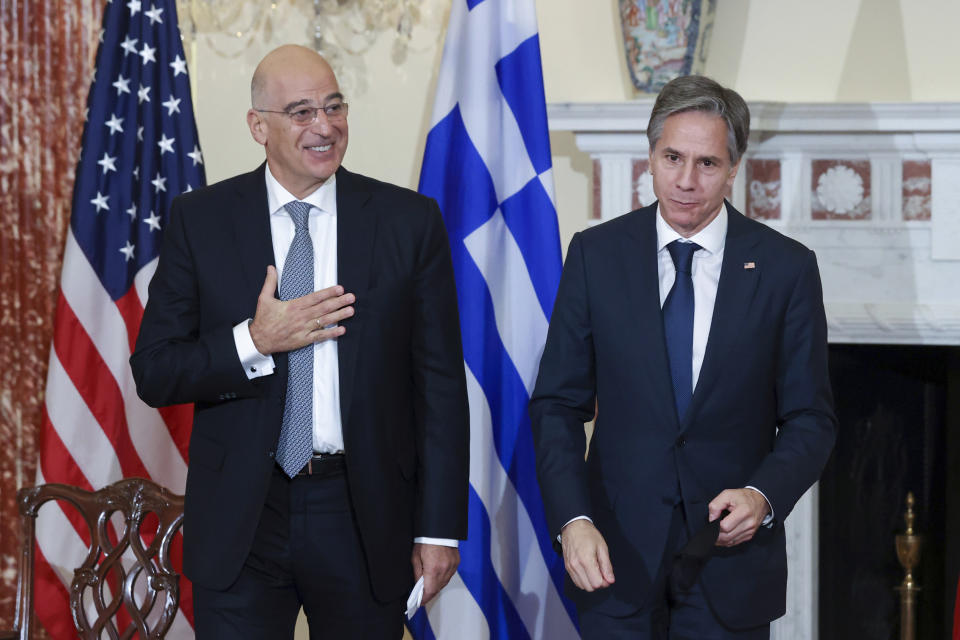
[[872, 188]]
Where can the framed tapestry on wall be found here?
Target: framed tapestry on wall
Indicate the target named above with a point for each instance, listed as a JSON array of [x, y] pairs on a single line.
[[664, 39]]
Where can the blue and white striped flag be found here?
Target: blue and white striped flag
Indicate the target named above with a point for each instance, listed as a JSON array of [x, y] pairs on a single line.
[[487, 162]]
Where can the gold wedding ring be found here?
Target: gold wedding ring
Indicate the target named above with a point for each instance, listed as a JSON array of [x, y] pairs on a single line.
[[318, 323]]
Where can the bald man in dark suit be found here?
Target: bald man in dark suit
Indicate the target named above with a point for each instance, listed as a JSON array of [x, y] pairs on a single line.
[[328, 459]]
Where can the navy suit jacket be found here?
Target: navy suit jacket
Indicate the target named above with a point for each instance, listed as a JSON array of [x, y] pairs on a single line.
[[402, 389], [761, 413]]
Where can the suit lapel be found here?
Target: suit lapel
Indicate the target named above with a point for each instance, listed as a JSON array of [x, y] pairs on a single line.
[[251, 228], [356, 227], [639, 254], [254, 243], [735, 291]]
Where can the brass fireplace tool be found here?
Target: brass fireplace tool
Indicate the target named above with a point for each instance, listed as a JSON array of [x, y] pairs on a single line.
[[908, 553]]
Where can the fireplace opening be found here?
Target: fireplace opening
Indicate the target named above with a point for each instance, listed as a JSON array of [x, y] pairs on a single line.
[[899, 414]]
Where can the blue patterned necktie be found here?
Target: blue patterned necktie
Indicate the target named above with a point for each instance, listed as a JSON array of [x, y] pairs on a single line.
[[678, 325], [295, 446]]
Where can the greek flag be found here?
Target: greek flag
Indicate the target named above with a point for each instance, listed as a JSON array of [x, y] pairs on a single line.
[[487, 163]]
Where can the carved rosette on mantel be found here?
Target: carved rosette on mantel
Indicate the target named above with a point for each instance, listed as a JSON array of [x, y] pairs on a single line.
[[874, 189]]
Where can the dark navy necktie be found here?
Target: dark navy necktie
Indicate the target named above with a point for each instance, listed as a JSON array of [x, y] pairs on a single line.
[[678, 324], [295, 445]]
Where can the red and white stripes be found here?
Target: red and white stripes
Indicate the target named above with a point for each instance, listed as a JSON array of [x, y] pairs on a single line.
[[96, 430]]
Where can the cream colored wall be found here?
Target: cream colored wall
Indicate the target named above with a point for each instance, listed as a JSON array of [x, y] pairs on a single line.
[[816, 51], [390, 115], [829, 50]]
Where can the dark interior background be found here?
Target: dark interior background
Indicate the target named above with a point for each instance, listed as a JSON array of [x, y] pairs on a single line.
[[899, 413]]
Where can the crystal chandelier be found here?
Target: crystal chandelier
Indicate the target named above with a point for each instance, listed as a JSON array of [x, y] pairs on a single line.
[[342, 30]]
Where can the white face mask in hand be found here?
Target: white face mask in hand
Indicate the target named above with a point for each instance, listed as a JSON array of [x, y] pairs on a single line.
[[415, 598]]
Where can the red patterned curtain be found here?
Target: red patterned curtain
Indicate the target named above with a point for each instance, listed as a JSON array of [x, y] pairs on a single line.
[[47, 50]]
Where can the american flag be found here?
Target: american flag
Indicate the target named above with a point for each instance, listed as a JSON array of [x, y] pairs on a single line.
[[140, 150], [487, 162]]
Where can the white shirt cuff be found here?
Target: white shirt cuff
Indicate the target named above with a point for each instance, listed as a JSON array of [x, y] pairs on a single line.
[[587, 518], [255, 364], [442, 542], [768, 521]]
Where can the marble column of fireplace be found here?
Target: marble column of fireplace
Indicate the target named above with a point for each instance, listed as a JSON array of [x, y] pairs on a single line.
[[874, 189]]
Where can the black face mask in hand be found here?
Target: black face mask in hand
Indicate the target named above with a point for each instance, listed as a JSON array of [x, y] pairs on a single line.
[[689, 561]]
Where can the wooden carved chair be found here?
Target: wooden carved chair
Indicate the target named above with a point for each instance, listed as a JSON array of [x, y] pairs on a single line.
[[130, 560]]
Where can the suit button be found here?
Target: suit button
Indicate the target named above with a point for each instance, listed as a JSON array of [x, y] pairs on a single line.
[[680, 442], [271, 454]]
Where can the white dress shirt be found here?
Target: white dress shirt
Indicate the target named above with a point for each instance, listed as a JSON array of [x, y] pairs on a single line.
[[322, 220], [705, 271]]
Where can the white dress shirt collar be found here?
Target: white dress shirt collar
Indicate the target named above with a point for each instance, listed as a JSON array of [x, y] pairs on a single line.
[[712, 237], [323, 198]]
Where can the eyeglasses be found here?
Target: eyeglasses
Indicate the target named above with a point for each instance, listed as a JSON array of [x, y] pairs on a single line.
[[303, 114]]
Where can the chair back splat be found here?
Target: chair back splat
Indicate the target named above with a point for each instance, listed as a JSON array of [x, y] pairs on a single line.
[[127, 586]]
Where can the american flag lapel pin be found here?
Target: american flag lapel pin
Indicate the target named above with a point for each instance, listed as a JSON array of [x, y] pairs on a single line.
[[750, 265]]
